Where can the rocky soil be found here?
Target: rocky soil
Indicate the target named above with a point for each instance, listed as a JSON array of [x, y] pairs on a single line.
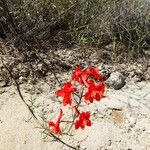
[[120, 121]]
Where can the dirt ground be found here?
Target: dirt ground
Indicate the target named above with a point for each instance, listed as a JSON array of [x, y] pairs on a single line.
[[121, 121]]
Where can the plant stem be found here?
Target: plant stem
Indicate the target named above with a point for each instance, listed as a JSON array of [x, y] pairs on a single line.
[[75, 114], [31, 111]]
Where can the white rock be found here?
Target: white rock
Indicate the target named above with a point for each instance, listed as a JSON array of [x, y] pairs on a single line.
[[116, 80]]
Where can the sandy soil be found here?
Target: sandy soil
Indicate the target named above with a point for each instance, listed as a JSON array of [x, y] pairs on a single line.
[[120, 121]]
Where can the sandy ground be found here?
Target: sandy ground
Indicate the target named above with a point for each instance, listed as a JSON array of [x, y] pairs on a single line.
[[121, 121]]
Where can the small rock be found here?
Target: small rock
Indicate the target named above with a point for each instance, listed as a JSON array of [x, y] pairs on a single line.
[[22, 79], [109, 143], [2, 91], [116, 80], [2, 83]]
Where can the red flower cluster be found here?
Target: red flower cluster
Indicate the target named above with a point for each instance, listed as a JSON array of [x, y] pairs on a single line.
[[84, 119], [94, 91], [55, 126], [93, 72], [81, 76], [66, 92]]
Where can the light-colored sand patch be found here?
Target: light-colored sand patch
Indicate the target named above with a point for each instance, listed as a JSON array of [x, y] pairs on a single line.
[[120, 121]]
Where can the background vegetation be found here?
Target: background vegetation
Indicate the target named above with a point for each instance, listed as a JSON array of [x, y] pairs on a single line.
[[42, 24]]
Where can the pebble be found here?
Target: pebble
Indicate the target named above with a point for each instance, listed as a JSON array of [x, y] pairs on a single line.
[[2, 91], [2, 83], [116, 80]]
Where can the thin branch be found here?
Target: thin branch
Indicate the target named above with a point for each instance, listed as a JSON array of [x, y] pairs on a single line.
[[31, 111]]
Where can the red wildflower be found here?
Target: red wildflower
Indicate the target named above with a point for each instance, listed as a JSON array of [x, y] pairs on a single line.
[[95, 91], [84, 119], [66, 92], [80, 75], [55, 126], [93, 72]]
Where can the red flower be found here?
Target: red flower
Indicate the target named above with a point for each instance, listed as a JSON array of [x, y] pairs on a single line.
[[95, 91], [80, 75], [66, 92], [93, 72], [84, 119], [55, 126]]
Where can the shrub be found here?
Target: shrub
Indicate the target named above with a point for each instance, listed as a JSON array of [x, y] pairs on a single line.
[[93, 22]]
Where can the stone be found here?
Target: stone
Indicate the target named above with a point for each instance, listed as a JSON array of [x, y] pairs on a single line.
[[2, 83], [116, 80], [2, 91]]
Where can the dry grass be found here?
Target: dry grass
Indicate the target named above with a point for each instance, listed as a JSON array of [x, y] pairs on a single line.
[[46, 23]]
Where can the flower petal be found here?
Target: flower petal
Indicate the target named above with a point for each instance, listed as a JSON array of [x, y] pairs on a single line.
[[77, 124], [60, 93], [87, 114], [88, 123], [51, 123]]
